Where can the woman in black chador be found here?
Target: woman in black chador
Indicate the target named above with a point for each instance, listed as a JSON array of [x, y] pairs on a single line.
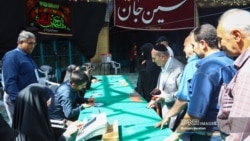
[[148, 73], [31, 118]]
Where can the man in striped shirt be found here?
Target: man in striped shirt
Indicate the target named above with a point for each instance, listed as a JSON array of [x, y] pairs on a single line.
[[234, 37]]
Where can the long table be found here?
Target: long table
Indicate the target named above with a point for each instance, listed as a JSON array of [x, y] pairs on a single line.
[[135, 120]]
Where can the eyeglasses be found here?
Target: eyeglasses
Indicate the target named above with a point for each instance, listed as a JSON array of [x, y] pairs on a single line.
[[31, 43]]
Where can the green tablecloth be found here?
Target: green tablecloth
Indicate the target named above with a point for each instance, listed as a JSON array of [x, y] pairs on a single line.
[[135, 120]]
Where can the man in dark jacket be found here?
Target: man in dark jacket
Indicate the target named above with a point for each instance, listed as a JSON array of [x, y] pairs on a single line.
[[67, 102]]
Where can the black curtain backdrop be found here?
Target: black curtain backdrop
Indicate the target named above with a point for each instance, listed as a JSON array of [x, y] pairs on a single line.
[[87, 21], [12, 14]]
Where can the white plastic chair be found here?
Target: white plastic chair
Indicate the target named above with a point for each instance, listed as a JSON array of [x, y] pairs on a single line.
[[45, 69], [116, 66]]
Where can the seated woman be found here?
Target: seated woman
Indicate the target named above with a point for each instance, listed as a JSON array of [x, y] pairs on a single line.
[[31, 117]]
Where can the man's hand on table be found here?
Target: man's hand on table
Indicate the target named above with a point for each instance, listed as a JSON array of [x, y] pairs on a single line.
[[155, 99], [162, 123], [91, 101], [95, 80], [173, 137], [86, 105], [72, 128], [151, 104]]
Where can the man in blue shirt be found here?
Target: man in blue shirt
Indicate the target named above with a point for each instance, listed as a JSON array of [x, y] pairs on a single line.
[[18, 69], [68, 100], [212, 71]]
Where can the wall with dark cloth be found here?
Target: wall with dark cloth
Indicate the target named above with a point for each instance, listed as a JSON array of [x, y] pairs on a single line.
[[12, 13], [87, 21]]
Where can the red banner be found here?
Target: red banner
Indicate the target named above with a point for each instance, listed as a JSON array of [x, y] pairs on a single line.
[[154, 14]]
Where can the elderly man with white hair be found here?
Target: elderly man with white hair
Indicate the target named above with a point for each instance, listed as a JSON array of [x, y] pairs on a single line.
[[233, 32]]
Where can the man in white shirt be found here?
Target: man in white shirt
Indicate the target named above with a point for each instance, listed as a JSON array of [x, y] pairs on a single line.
[[168, 81]]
